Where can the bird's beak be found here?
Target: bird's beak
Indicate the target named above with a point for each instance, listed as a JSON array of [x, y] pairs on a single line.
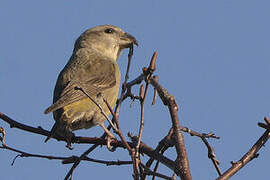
[[128, 40]]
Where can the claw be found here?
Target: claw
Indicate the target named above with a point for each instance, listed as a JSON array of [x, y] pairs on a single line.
[[110, 138]]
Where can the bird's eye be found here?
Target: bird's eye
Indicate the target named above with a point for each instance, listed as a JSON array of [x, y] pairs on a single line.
[[109, 30]]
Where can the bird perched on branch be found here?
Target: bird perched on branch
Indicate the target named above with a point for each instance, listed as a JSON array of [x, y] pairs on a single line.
[[93, 68]]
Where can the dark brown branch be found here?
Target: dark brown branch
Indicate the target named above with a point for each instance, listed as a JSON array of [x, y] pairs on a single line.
[[135, 81], [166, 146], [182, 163], [144, 149], [96, 141], [73, 159], [26, 154], [65, 160], [41, 131], [165, 142], [15, 124], [168, 143], [250, 155], [77, 162], [147, 171], [266, 125], [155, 170], [174, 137], [155, 93]]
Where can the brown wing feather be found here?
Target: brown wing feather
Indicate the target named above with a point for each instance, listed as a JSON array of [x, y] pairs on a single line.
[[94, 79]]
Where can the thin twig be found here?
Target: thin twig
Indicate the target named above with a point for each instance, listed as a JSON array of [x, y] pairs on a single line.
[[165, 142], [77, 162], [26, 154], [211, 155], [203, 136], [117, 111], [250, 155], [155, 94], [65, 160], [168, 142], [73, 159], [98, 105], [265, 125], [144, 149], [147, 171], [195, 133], [143, 92], [142, 98]]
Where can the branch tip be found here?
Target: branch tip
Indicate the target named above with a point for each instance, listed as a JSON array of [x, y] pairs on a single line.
[[152, 65]]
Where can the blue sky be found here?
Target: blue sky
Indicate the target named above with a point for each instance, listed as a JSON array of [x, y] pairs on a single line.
[[213, 57]]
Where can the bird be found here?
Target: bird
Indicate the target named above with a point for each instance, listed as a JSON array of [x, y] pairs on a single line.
[[93, 68]]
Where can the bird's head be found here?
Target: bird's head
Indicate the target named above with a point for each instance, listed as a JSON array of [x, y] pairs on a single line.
[[108, 40]]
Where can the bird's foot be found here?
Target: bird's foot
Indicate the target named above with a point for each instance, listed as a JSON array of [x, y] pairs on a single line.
[[108, 142], [110, 138]]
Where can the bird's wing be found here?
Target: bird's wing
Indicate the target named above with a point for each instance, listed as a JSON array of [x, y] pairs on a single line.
[[94, 78]]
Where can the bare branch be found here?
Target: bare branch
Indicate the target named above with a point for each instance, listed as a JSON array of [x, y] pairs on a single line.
[[147, 171], [163, 144], [73, 159], [182, 160], [155, 93], [136, 147], [211, 155], [250, 155], [26, 154], [77, 162]]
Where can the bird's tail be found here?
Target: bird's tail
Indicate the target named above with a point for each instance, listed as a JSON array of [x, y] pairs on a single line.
[[52, 133]]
